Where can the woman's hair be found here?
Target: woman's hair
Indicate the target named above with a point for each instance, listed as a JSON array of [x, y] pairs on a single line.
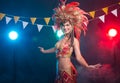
[[72, 13]]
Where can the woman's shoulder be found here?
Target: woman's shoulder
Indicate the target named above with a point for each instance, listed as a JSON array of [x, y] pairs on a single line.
[[58, 41], [75, 40], [57, 44]]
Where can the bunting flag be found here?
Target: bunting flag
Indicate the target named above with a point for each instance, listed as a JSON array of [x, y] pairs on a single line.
[[92, 14], [1, 16], [47, 20], [16, 18], [114, 12], [102, 18], [39, 27], [54, 29], [24, 24], [105, 10], [8, 19], [33, 20]]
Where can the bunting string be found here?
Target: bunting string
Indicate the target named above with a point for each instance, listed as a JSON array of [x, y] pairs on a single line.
[[8, 17]]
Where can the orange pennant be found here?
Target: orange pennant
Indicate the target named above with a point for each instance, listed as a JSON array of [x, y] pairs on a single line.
[[16, 18], [33, 20], [105, 10], [1, 16], [47, 20], [92, 14]]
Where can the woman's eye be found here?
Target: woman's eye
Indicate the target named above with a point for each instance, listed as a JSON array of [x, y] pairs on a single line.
[[67, 25]]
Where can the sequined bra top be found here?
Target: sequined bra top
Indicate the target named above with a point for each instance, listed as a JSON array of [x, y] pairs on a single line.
[[63, 50]]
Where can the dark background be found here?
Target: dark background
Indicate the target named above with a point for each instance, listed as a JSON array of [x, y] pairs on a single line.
[[22, 62]]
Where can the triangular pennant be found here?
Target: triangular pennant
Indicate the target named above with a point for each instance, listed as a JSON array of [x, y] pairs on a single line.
[[47, 20], [16, 18], [39, 27], [33, 20], [1, 16], [24, 24], [102, 18], [8, 19], [105, 10], [54, 29], [92, 14], [114, 12]]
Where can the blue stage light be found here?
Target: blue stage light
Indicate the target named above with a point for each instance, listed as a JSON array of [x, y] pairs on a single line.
[[13, 35]]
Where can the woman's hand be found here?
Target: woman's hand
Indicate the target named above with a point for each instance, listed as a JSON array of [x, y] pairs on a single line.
[[41, 49], [51, 50], [94, 66]]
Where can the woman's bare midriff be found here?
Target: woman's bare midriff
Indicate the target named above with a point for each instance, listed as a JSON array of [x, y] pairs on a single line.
[[64, 64]]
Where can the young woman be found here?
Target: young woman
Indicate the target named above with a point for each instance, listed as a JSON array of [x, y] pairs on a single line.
[[71, 20]]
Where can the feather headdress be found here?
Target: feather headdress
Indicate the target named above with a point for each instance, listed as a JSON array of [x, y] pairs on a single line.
[[72, 13]]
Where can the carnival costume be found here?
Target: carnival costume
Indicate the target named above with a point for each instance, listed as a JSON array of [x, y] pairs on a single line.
[[76, 16]]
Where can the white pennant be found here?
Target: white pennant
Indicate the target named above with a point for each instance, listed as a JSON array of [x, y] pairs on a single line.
[[54, 29], [8, 19], [24, 24], [102, 18], [114, 12], [39, 27]]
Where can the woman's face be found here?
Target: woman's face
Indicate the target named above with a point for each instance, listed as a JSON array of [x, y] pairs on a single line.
[[67, 27]]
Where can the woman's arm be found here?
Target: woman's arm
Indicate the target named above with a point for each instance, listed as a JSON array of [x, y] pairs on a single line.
[[51, 50], [78, 55]]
